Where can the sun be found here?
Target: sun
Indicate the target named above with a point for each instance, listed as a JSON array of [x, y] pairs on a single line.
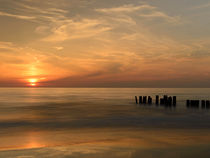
[[32, 82]]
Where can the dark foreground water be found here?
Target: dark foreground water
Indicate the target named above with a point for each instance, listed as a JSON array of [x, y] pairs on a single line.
[[101, 123]]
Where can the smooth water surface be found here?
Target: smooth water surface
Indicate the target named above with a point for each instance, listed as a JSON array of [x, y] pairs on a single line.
[[101, 122]]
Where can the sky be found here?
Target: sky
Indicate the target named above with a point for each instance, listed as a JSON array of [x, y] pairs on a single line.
[[98, 43]]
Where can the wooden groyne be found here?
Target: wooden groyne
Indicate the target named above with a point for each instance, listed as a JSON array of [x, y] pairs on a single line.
[[171, 101], [205, 104], [166, 101]]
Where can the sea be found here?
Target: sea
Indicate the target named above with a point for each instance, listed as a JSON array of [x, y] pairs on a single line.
[[102, 123]]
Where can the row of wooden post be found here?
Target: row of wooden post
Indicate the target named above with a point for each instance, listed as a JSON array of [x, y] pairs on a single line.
[[143, 100], [167, 101], [196, 103]]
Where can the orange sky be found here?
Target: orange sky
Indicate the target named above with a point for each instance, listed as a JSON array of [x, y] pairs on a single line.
[[110, 44]]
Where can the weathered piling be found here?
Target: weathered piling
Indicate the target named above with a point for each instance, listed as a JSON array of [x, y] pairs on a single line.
[[157, 99], [140, 99], [165, 97], [197, 103], [144, 99], [203, 104], [149, 100], [161, 101], [194, 103], [207, 104], [136, 99], [188, 103], [169, 102], [174, 100]]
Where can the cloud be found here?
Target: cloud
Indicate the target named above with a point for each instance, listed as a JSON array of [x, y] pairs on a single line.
[[158, 14], [32, 11], [202, 6], [17, 16], [144, 10], [125, 8], [21, 63], [55, 23], [5, 45], [70, 29], [59, 48], [42, 29]]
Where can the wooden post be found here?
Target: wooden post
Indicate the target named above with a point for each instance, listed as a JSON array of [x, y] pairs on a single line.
[[207, 104], [188, 103], [174, 100], [165, 97], [149, 100], [161, 101], [144, 99], [197, 103], [157, 99], [136, 99], [203, 104], [169, 101], [140, 99], [192, 103]]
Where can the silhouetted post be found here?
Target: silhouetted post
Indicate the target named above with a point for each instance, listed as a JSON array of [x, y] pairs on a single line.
[[140, 99], [157, 99], [207, 104], [149, 100], [165, 97], [144, 99], [203, 104], [188, 103], [169, 101], [174, 100], [161, 101], [192, 103], [197, 103], [136, 99]]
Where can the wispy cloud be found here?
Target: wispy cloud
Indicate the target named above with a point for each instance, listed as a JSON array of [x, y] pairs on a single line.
[[26, 62], [202, 6], [59, 48], [17, 16], [158, 14], [70, 29], [125, 8], [145, 10], [26, 10], [46, 13]]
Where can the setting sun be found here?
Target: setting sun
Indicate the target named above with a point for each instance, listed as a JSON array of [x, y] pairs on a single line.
[[32, 82]]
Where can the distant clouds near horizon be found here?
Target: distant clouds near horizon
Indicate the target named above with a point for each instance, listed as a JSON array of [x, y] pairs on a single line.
[[93, 43]]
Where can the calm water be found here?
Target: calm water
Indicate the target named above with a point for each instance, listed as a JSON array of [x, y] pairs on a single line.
[[101, 123]]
